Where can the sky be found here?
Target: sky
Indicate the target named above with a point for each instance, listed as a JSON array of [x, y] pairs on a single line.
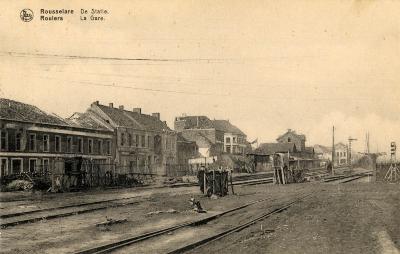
[[266, 66]]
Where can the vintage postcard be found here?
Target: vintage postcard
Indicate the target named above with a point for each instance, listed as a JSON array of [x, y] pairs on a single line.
[[176, 126]]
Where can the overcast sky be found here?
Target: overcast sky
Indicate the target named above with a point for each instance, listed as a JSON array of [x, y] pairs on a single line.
[[265, 65]]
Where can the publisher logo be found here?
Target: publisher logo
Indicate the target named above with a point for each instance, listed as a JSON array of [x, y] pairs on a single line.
[[26, 15]]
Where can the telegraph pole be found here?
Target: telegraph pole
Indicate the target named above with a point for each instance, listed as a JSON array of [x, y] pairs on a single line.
[[333, 147], [367, 143]]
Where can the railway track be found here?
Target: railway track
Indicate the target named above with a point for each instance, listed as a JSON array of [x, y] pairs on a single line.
[[147, 238], [346, 179], [31, 216]]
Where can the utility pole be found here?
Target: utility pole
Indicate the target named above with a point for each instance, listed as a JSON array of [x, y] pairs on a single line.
[[333, 147], [367, 143], [349, 152]]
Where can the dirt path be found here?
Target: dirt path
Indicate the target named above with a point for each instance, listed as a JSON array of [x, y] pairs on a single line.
[[350, 218]]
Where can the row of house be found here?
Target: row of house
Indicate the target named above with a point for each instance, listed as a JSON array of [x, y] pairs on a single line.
[[109, 138], [33, 140], [123, 141]]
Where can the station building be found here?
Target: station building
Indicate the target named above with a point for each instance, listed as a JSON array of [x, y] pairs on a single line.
[[34, 141]]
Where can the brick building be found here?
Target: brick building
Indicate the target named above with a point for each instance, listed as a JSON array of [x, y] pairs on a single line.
[[292, 137], [35, 141], [143, 143], [213, 137]]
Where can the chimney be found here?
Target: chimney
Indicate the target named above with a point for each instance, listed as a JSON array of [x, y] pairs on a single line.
[[121, 107], [96, 103], [156, 115], [289, 130], [111, 105], [137, 110]]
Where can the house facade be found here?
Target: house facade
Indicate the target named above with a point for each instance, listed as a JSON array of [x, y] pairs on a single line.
[[292, 137], [213, 137], [299, 140], [34, 141], [341, 153], [143, 143]]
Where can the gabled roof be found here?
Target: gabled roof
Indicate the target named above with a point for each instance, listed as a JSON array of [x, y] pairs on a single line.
[[327, 149], [292, 132], [18, 111], [340, 145], [118, 117], [203, 122], [271, 148], [85, 120], [196, 122], [226, 126], [125, 118], [149, 122], [322, 149]]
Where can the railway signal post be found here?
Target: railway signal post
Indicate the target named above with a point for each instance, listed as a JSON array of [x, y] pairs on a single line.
[[393, 172]]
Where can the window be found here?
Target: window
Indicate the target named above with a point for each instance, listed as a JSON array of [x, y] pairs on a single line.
[[18, 141], [122, 139], [100, 146], [3, 140], [80, 145], [228, 140], [143, 139], [137, 140], [32, 165], [108, 146], [32, 142], [16, 166], [289, 140], [234, 139], [69, 144], [228, 149], [4, 166], [148, 141], [58, 144], [45, 166], [90, 145], [129, 139], [45, 143]]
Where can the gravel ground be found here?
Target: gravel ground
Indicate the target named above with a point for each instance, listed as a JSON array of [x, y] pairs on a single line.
[[348, 218], [79, 231]]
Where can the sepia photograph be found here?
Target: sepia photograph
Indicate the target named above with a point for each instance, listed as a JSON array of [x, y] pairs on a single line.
[[199, 126]]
